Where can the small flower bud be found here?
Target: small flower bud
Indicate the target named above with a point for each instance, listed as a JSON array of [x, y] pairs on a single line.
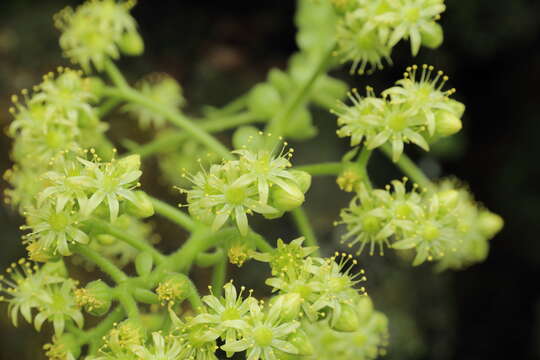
[[264, 100], [95, 85], [106, 239], [301, 342], [287, 200], [274, 215], [458, 108], [289, 305], [489, 223], [364, 308], [144, 263], [447, 123], [131, 44], [303, 179], [129, 163], [56, 268], [448, 199], [301, 125], [348, 319], [432, 35], [248, 137], [348, 180], [95, 298], [143, 208], [173, 289], [280, 80]]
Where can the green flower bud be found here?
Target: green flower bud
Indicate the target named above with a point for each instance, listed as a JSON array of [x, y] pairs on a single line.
[[302, 178], [344, 6], [248, 137], [348, 320], [131, 44], [289, 305], [274, 215], [144, 263], [95, 298], [448, 199], [129, 163], [447, 123], [264, 100], [95, 85], [106, 239], [55, 268], [143, 208], [300, 127], [301, 342], [457, 107], [432, 35], [173, 289], [286, 200], [280, 80], [364, 308], [489, 223]]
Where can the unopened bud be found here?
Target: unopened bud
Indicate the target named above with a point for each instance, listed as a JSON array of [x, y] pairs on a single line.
[[131, 44], [142, 208], [287, 199], [447, 123], [301, 342], [303, 179], [490, 223], [348, 319], [432, 35]]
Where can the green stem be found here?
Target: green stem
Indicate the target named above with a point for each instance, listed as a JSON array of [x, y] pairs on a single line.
[[209, 259], [126, 299], [363, 160], [124, 91], [329, 168], [219, 274], [103, 263], [165, 142], [115, 75], [137, 243], [183, 258], [409, 168], [177, 216], [261, 243], [174, 116], [278, 124], [107, 106], [302, 222], [105, 325]]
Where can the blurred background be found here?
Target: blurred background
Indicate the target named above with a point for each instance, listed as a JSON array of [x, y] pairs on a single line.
[[218, 50]]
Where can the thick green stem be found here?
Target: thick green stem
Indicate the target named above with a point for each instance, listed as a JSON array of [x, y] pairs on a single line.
[[137, 243], [409, 168], [124, 91], [127, 301], [175, 215], [363, 160], [209, 259], [302, 222], [278, 124], [101, 262], [261, 243], [165, 142], [329, 168], [219, 274]]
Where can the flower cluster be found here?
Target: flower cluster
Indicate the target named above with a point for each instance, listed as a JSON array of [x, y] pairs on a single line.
[[417, 110], [369, 29], [98, 30], [56, 183], [444, 224], [256, 182], [46, 291]]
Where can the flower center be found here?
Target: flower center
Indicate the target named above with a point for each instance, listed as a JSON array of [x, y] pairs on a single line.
[[58, 222], [430, 232], [235, 195], [370, 224], [230, 314], [397, 122], [263, 336], [412, 14]]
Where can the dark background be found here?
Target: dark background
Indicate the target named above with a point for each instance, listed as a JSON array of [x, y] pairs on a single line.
[[219, 49]]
